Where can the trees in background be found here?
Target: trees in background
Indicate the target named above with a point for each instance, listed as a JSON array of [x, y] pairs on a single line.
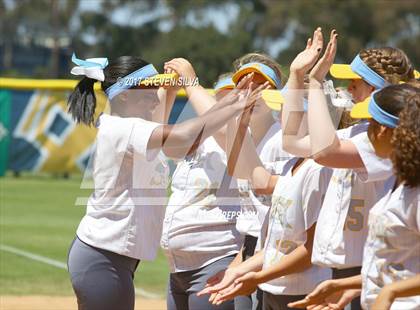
[[211, 33]]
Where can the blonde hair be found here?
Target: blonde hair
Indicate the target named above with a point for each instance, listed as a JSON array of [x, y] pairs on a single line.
[[262, 58], [389, 62]]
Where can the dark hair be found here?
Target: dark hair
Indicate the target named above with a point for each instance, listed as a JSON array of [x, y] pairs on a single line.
[[393, 99], [406, 139], [82, 101]]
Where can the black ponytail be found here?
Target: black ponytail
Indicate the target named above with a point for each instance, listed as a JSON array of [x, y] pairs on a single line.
[[82, 102]]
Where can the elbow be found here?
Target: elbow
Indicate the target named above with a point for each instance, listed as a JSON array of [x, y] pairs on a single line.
[[262, 191], [286, 145], [262, 188]]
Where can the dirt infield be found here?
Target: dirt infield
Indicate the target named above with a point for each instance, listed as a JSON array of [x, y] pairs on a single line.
[[63, 303]]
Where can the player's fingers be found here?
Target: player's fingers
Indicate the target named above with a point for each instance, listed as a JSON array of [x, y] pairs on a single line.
[[308, 43], [300, 304], [243, 83], [212, 297], [318, 307]]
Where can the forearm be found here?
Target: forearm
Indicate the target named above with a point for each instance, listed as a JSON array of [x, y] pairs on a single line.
[[202, 102], [163, 110], [237, 260], [243, 158], [254, 263], [295, 132], [295, 262], [200, 99], [354, 282], [191, 133], [262, 181], [321, 127], [404, 288]]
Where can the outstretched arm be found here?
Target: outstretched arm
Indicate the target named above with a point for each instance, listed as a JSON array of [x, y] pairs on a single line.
[[244, 162], [295, 135], [331, 289], [327, 148], [403, 288], [200, 99], [187, 136]]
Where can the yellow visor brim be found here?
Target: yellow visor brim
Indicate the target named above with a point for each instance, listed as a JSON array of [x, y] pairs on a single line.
[[361, 109], [160, 79], [244, 71], [227, 87], [273, 99], [340, 71]]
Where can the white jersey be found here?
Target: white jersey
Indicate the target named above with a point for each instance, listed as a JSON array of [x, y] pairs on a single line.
[[376, 168], [392, 250], [254, 207], [297, 200], [125, 212], [199, 226], [342, 225]]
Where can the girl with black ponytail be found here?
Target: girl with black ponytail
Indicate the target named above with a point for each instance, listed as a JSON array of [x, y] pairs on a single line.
[[124, 214]]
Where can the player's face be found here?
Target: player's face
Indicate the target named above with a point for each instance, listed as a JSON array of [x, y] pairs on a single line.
[[359, 90], [141, 102], [380, 137]]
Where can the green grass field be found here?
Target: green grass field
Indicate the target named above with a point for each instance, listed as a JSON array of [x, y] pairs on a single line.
[[38, 215]]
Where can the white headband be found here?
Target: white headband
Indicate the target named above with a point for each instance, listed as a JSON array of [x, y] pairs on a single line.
[[92, 67]]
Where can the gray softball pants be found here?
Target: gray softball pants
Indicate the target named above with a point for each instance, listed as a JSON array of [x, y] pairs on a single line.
[[102, 280]]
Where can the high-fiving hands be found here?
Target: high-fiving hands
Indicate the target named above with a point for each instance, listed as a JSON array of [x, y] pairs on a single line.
[[306, 59], [320, 70]]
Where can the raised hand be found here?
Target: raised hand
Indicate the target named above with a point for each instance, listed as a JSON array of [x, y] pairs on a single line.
[[182, 67], [320, 70], [306, 59]]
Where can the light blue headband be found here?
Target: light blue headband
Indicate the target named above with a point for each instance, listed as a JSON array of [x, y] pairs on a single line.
[[130, 80], [266, 70], [227, 81], [381, 116], [371, 77]]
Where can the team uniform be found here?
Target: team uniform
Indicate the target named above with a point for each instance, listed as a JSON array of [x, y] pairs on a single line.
[[199, 236], [296, 202], [393, 246], [254, 207], [124, 214], [342, 224]]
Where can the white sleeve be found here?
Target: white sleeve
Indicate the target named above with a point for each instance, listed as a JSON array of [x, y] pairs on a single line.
[[313, 193], [141, 131], [376, 168]]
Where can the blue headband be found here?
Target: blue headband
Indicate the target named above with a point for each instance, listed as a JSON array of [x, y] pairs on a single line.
[[266, 70], [381, 116], [225, 82], [130, 80], [367, 74]]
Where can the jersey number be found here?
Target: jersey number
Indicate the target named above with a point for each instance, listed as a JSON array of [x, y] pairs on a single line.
[[354, 221]]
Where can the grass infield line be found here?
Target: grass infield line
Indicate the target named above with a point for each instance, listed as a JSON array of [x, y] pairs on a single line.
[[52, 262]]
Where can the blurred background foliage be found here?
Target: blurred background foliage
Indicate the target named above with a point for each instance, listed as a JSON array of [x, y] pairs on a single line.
[[38, 36]]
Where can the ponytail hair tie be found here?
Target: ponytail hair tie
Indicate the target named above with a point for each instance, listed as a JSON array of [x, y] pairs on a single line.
[[92, 67]]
